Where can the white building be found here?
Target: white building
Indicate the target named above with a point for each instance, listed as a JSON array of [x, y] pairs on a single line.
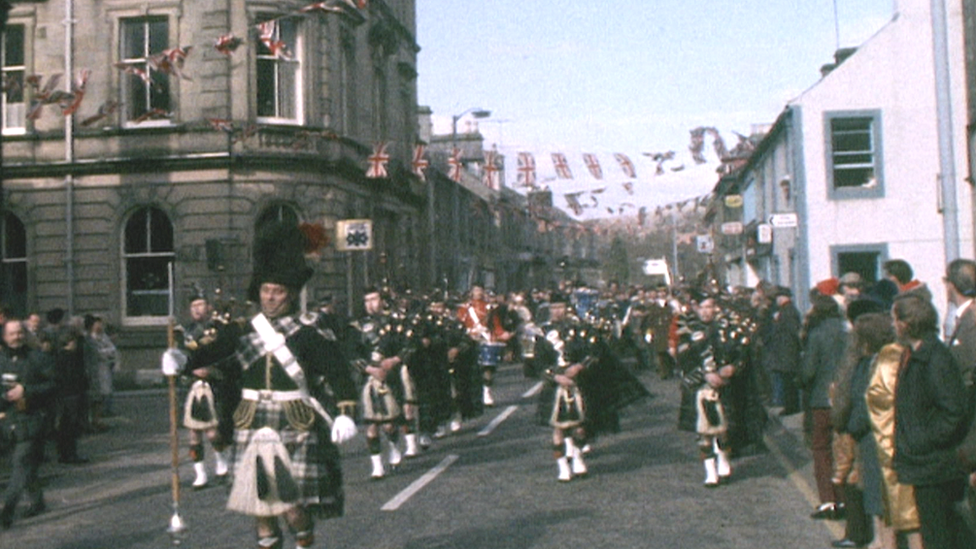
[[856, 157]]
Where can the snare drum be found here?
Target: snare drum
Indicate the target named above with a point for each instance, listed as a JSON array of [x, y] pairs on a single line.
[[490, 354]]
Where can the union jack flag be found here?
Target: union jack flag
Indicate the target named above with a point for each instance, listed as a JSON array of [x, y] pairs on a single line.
[[593, 164], [221, 124], [526, 169], [71, 102], [490, 176], [420, 163], [267, 32], [227, 44], [377, 161], [562, 166], [454, 165], [104, 111], [626, 165]]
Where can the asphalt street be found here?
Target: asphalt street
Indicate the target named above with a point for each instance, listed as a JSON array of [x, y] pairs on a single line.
[[492, 485]]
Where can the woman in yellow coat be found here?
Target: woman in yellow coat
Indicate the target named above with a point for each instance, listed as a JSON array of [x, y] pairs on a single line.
[[899, 499]]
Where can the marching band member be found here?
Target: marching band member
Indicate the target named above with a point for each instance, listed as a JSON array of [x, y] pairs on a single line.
[[585, 387], [708, 353], [383, 394], [297, 398], [474, 315], [211, 400], [462, 368]]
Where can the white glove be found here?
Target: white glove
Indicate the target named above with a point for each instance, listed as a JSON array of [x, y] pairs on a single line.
[[343, 429], [173, 361]]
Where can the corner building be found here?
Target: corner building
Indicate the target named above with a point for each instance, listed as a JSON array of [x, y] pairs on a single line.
[[119, 214]]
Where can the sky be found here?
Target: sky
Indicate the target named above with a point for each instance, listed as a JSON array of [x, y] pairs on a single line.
[[626, 76]]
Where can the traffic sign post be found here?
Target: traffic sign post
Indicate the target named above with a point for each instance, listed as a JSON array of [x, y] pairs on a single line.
[[354, 235], [784, 220]]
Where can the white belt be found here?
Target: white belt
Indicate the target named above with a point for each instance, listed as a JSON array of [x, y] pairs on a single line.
[[277, 396]]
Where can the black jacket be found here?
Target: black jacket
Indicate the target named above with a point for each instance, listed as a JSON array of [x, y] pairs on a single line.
[[781, 344], [930, 416], [35, 372]]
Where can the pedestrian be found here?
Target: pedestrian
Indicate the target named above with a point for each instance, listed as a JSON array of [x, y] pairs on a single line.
[[297, 398], [101, 356], [960, 334], [900, 517], [901, 273], [824, 347], [931, 414], [862, 484], [781, 351], [71, 380], [27, 388]]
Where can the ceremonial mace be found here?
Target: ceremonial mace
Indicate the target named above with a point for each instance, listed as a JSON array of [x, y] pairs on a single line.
[[177, 527]]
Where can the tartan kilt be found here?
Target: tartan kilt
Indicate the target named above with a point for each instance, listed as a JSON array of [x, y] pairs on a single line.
[[315, 460]]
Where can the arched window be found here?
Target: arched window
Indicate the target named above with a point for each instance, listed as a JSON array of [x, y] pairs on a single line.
[[13, 292], [147, 263]]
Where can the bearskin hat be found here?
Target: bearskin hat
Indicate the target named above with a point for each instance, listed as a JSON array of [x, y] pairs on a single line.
[[279, 258]]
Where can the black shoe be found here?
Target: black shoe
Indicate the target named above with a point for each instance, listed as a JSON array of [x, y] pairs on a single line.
[[840, 512], [6, 518], [35, 510], [844, 543], [826, 511]]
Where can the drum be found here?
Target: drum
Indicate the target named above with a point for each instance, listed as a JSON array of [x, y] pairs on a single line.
[[490, 354]]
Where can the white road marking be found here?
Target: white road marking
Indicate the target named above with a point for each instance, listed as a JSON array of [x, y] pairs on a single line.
[[533, 391], [497, 421], [418, 484]]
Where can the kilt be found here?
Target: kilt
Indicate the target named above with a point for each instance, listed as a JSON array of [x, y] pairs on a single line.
[[379, 402], [312, 462], [199, 410]]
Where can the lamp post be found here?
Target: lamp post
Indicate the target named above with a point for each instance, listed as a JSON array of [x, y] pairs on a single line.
[[455, 214]]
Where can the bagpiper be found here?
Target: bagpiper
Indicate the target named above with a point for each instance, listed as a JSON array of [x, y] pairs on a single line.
[[387, 384], [708, 354], [297, 398], [585, 386], [212, 397]]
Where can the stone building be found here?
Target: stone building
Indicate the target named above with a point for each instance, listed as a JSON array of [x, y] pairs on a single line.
[[200, 120]]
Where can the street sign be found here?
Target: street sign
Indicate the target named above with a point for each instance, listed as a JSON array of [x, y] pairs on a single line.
[[704, 244], [353, 235], [784, 220], [764, 233], [732, 227]]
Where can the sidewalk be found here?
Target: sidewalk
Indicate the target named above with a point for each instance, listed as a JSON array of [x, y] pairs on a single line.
[[787, 442]]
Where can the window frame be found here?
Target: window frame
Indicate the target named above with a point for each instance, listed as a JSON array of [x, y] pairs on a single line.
[[146, 320], [880, 248], [145, 19], [877, 152], [297, 53], [19, 306], [22, 68]]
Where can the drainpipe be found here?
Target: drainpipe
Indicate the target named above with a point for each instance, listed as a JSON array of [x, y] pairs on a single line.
[[947, 157], [69, 157]]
